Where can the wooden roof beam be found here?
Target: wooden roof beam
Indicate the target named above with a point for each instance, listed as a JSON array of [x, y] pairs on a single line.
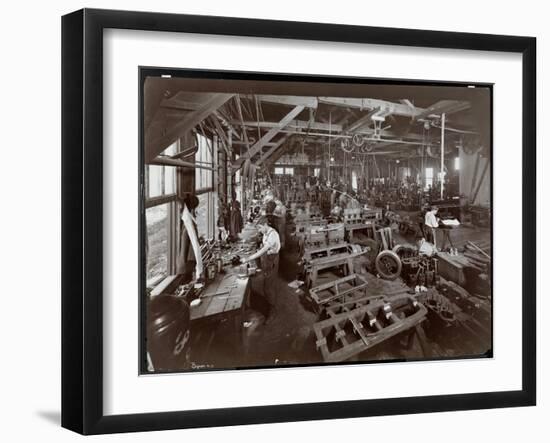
[[223, 119], [154, 146], [243, 129], [407, 102], [443, 106], [363, 121], [241, 143], [389, 108], [275, 130], [295, 124], [271, 151], [290, 100]]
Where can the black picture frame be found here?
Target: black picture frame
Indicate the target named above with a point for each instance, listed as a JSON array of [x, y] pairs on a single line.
[[82, 220]]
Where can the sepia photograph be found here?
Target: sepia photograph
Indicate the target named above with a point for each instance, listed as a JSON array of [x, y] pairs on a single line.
[[291, 220]]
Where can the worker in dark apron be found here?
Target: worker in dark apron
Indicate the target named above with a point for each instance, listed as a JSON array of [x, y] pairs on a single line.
[[269, 264]]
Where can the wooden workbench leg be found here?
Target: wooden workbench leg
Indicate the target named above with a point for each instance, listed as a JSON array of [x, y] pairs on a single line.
[[313, 277], [239, 333], [350, 266], [410, 339], [423, 340], [211, 336]]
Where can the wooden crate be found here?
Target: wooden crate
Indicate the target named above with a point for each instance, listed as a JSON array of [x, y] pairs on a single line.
[[345, 335], [451, 267], [341, 290]]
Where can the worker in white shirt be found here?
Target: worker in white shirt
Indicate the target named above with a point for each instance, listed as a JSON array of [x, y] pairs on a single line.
[[277, 210], [431, 222], [269, 262]]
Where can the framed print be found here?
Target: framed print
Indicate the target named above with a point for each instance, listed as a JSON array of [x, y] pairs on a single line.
[[273, 221]]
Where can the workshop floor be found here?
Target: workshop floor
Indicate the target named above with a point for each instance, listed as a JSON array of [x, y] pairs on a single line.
[[289, 340]]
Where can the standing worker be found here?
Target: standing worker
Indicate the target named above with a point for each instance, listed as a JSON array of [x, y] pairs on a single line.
[[189, 258], [235, 219], [278, 214], [269, 263], [431, 222]]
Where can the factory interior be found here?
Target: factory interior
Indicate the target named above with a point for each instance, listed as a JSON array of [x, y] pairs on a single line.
[[295, 223]]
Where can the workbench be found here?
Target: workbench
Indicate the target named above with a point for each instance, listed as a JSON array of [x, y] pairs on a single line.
[[225, 297], [446, 235], [451, 267]]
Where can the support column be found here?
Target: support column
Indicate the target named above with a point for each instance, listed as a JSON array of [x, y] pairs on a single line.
[[229, 171], [221, 169], [186, 176], [442, 153]]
